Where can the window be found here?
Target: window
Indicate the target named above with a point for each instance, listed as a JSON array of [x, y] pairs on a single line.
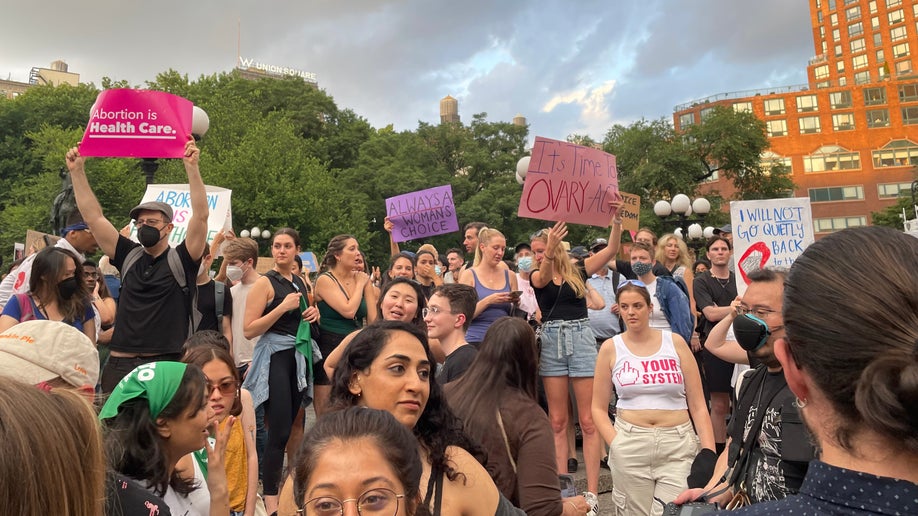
[[806, 103], [883, 71], [833, 19], [842, 81], [821, 72], [853, 13], [904, 67], [910, 116], [843, 121], [875, 23], [893, 3], [861, 61], [742, 107], [862, 77], [824, 48], [770, 161], [838, 51], [856, 29], [837, 193], [881, 57], [836, 34], [897, 33], [776, 127], [706, 112], [873, 6], [897, 153], [686, 119], [819, 16], [878, 118], [840, 99], [774, 107], [840, 66], [908, 92], [857, 45], [895, 17], [900, 50], [823, 84], [831, 5], [877, 39], [831, 158], [893, 189], [838, 223], [809, 124]]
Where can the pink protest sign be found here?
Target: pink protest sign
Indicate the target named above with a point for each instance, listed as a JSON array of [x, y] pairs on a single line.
[[422, 214], [125, 123], [569, 182]]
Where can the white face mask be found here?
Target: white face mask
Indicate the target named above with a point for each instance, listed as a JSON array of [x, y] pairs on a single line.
[[234, 273]]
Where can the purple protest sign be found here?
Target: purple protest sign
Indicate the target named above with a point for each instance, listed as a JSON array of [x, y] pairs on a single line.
[[422, 214], [569, 182], [125, 123]]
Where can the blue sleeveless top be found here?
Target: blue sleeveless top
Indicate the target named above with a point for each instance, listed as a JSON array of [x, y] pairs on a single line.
[[490, 314]]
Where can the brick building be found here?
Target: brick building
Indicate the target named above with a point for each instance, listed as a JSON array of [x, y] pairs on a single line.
[[849, 136]]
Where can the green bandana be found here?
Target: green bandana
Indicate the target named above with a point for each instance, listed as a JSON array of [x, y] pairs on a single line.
[[157, 382]]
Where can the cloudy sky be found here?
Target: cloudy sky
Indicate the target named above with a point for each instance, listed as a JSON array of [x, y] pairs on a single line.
[[575, 66]]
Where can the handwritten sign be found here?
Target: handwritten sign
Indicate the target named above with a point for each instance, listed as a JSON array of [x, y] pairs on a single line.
[[422, 214], [130, 123], [772, 232], [220, 215], [569, 182], [630, 212]]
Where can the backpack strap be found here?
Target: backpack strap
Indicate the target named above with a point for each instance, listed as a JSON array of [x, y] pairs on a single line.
[[219, 296], [190, 290], [129, 261]]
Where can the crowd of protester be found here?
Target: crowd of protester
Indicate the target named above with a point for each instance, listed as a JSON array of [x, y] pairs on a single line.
[[450, 381]]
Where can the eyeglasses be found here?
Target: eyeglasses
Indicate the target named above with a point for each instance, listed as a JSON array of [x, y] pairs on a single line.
[[375, 502], [636, 283], [148, 222], [538, 234], [761, 313], [226, 387], [434, 310]]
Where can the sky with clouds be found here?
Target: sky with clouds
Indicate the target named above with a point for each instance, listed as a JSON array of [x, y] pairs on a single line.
[[576, 66]]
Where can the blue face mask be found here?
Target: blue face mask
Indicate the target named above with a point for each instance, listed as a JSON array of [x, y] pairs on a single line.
[[641, 268], [524, 264]]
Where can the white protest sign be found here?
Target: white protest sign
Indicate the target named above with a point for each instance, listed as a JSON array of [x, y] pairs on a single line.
[[220, 214], [769, 233]]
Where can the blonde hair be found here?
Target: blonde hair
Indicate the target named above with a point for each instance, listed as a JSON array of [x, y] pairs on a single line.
[[562, 264], [485, 235], [52, 460], [684, 259]]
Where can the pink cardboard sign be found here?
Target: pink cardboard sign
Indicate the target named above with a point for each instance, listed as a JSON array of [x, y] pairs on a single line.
[[422, 214], [125, 123], [569, 182]]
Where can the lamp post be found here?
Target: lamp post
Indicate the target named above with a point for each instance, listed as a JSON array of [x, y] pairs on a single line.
[[255, 233], [682, 208], [200, 123]]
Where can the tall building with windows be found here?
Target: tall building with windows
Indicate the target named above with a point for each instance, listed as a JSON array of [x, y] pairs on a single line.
[[850, 135]]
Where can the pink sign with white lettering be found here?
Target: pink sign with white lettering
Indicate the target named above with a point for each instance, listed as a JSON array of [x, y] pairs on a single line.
[[126, 123]]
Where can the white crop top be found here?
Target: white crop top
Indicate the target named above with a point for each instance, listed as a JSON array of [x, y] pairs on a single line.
[[654, 382]]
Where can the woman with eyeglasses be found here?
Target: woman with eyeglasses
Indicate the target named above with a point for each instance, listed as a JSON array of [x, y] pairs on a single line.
[[388, 366], [57, 292], [278, 371], [228, 399], [653, 443], [568, 354], [496, 287], [387, 483]]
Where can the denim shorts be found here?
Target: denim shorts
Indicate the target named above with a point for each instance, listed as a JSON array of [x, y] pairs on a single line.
[[568, 349]]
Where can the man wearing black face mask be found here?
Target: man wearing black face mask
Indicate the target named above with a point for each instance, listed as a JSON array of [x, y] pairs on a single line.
[[767, 447], [154, 310]]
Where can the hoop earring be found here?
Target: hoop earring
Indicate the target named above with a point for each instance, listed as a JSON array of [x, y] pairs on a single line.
[[800, 403]]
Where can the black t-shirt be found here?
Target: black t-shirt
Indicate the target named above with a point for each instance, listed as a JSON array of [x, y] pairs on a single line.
[[153, 312], [456, 363], [124, 496], [568, 307], [624, 267], [711, 291], [206, 300]]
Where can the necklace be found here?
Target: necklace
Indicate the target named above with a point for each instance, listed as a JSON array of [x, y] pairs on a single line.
[[723, 282]]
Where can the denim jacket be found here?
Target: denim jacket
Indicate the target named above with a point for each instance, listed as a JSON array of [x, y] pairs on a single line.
[[256, 381], [675, 306]]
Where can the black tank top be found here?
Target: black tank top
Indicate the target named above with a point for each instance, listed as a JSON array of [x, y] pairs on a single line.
[[289, 322]]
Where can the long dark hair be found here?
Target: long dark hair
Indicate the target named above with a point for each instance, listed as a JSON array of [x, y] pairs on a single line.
[[394, 442], [335, 246], [437, 427], [506, 360], [386, 278], [201, 354], [418, 319], [134, 445], [47, 268], [855, 335]]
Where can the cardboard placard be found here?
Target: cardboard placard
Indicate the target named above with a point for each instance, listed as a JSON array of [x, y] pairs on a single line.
[[422, 214]]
